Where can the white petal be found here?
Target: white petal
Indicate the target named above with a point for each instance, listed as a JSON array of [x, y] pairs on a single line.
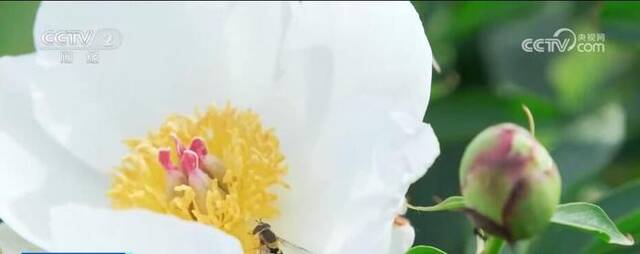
[[36, 172], [332, 78], [300, 58], [357, 206], [351, 157], [402, 237], [174, 57], [80, 228], [336, 51], [11, 243]]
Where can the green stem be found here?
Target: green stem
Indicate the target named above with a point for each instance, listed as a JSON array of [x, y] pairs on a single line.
[[532, 123], [493, 245]]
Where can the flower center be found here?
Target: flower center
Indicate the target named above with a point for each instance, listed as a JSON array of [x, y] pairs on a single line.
[[223, 178]]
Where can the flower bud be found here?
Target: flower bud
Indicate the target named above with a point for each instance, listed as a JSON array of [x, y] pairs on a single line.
[[510, 183]]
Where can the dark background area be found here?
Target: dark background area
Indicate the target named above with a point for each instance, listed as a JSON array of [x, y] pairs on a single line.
[[586, 107]]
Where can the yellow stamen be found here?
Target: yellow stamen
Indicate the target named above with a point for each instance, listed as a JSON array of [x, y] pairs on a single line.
[[252, 164]]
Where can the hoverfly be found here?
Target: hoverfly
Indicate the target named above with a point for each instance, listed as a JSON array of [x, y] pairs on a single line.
[[270, 243]]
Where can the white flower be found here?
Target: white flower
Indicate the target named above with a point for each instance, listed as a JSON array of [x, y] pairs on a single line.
[[10, 242], [344, 85]]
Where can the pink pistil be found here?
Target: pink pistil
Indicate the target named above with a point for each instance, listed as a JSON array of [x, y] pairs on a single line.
[[190, 169], [189, 161], [179, 146], [199, 147], [164, 156]]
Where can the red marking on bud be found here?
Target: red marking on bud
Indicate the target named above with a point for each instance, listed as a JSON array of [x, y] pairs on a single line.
[[499, 157], [517, 194]]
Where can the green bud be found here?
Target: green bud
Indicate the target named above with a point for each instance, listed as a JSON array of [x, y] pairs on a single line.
[[510, 183]]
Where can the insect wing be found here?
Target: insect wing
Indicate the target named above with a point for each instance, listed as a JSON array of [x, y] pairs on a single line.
[[290, 248]]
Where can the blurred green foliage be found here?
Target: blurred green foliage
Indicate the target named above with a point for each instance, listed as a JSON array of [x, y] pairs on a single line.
[[16, 24], [586, 105]]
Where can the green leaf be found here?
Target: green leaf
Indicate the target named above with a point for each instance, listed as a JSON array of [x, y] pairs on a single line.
[[626, 216], [592, 218], [619, 203], [425, 249], [451, 203], [630, 224]]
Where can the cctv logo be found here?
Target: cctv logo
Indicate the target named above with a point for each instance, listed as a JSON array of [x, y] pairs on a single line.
[[565, 40], [102, 39], [551, 44]]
